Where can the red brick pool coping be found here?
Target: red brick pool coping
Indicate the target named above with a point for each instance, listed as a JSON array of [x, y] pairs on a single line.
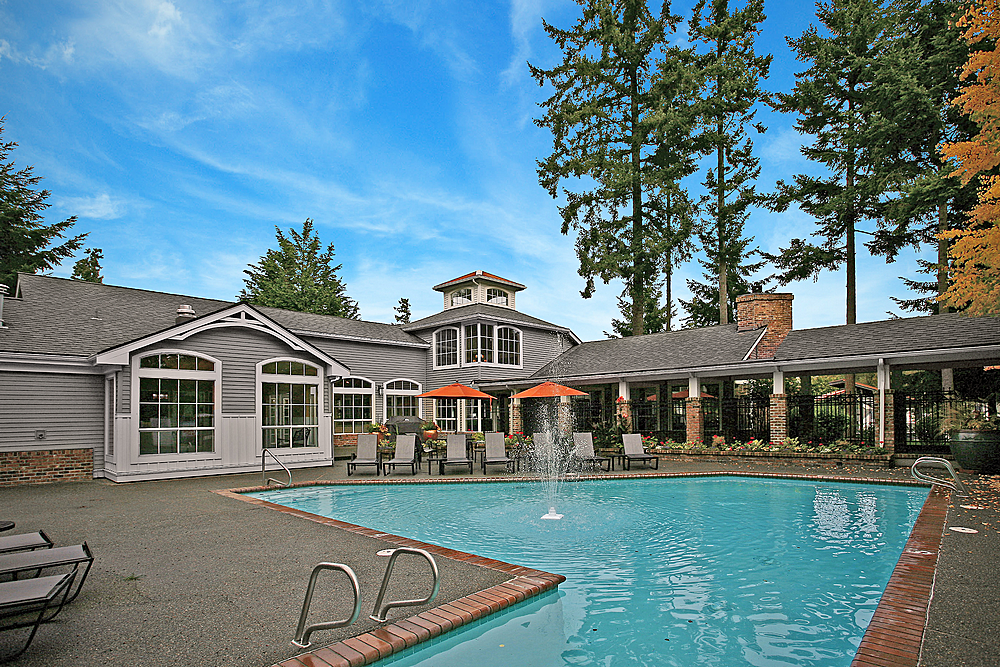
[[893, 638]]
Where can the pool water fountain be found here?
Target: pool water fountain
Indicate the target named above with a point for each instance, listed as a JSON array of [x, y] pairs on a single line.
[[549, 454]]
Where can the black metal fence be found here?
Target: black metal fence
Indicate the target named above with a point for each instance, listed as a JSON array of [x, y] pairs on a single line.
[[918, 420], [828, 420]]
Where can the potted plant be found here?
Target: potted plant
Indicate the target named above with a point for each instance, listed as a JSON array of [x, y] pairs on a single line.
[[974, 438], [430, 429], [381, 429]]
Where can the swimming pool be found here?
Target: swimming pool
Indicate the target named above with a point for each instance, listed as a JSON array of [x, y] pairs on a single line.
[[714, 571]]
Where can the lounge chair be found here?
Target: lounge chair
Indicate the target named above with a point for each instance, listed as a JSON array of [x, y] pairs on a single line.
[[635, 452], [404, 455], [584, 452], [22, 564], [367, 454], [457, 453], [25, 542], [496, 453], [22, 600]]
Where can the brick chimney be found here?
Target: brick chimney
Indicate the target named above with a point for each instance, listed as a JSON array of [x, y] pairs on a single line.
[[773, 311], [184, 314]]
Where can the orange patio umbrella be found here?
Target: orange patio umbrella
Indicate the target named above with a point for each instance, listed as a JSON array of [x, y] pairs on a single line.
[[456, 390], [548, 390]]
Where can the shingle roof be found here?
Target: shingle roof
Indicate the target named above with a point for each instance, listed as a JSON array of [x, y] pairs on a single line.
[[686, 348], [478, 274], [471, 310], [886, 337], [74, 317]]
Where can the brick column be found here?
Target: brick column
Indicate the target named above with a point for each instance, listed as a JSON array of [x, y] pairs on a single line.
[[564, 417], [694, 421], [890, 423], [515, 416], [778, 418]]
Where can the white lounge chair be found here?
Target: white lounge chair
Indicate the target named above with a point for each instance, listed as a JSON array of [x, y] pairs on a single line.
[[496, 453], [405, 454], [584, 452], [456, 453], [367, 454], [635, 452]]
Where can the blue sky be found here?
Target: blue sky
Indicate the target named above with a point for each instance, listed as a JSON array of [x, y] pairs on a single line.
[[181, 132]]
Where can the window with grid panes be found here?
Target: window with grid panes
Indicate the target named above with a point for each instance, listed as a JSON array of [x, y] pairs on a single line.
[[508, 346], [446, 348], [352, 405], [479, 343], [289, 405], [176, 404]]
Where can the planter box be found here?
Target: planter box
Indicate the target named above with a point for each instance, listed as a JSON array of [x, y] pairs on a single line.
[[976, 450], [776, 456]]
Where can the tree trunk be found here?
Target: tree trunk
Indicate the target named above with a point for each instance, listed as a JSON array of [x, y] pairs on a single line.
[[947, 374], [638, 262], [721, 194], [852, 290]]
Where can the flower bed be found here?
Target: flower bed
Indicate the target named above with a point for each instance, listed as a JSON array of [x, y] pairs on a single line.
[[789, 451]]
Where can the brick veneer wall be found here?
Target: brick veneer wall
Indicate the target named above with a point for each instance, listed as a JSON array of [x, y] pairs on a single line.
[[773, 311], [46, 466]]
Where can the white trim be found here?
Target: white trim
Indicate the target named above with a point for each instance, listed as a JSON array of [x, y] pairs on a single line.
[[400, 392], [320, 380], [459, 347], [134, 457], [361, 339], [28, 362], [350, 390], [753, 348], [234, 316], [459, 319]]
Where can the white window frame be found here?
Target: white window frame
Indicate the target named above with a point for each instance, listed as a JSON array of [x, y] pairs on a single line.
[[319, 379], [350, 390], [461, 297], [520, 346], [458, 347], [479, 338], [386, 393], [497, 297], [442, 421], [171, 373]]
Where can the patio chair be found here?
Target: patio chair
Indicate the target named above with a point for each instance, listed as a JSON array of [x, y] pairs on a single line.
[[457, 453], [31, 564], [584, 452], [25, 542], [27, 602], [367, 454], [404, 454], [634, 451], [496, 453]]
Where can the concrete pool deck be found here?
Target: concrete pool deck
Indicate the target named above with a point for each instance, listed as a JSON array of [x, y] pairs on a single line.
[[185, 576]]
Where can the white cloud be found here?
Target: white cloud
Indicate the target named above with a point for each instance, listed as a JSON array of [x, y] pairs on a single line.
[[781, 147], [99, 207]]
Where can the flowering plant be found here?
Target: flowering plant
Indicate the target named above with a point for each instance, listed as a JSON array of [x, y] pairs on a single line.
[[381, 429]]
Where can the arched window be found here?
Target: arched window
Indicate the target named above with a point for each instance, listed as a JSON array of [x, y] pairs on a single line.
[[401, 399], [353, 398], [508, 346], [461, 297], [177, 404], [495, 296], [445, 348], [290, 396]]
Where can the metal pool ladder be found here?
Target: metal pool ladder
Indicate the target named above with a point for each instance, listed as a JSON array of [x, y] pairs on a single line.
[[955, 484], [301, 631], [393, 554], [263, 469]]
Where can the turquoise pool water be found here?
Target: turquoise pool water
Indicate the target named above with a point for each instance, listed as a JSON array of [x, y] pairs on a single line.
[[691, 571]]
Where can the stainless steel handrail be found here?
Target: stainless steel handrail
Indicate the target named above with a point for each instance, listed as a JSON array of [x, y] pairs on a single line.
[[263, 469], [955, 485], [301, 631], [380, 615]]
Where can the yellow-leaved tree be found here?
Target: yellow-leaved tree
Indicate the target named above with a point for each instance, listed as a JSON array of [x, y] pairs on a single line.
[[975, 251]]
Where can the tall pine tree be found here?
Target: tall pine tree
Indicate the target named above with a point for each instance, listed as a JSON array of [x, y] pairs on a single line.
[[604, 114], [299, 276], [733, 72], [26, 242]]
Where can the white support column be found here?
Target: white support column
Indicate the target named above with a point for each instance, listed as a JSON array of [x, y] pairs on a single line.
[[778, 380], [623, 390], [694, 387], [882, 377]]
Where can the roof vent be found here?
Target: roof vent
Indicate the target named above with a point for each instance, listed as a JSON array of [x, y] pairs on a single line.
[[184, 313]]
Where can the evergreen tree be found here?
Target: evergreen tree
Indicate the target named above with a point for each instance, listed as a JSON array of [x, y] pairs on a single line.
[[733, 73], [604, 114], [975, 250], [929, 200], [25, 240], [655, 319], [841, 99], [299, 276], [89, 267], [403, 312], [702, 309]]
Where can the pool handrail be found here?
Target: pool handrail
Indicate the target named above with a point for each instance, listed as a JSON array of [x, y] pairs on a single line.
[[955, 485], [380, 614], [301, 631], [263, 469]]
